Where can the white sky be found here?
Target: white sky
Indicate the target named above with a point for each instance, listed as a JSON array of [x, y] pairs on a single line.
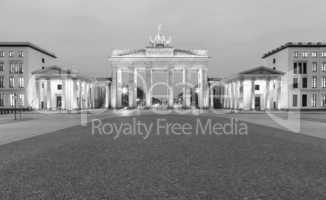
[[235, 32]]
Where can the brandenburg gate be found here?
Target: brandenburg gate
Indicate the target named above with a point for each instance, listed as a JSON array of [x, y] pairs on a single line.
[[180, 76]]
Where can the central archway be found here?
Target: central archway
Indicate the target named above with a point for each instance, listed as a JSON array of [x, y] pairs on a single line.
[[160, 92]]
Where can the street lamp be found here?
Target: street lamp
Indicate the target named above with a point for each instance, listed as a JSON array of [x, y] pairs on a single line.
[[124, 90]]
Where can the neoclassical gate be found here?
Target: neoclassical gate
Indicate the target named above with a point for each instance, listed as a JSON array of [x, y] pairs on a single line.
[[135, 69]]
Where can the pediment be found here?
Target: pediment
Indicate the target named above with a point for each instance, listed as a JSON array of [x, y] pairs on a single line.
[[130, 53], [262, 70], [51, 71]]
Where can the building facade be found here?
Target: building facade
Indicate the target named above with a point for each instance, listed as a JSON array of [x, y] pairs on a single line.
[[216, 93], [60, 89], [17, 61], [304, 82], [255, 89], [102, 92], [159, 75], [293, 77]]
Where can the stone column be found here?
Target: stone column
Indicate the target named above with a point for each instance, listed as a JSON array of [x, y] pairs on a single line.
[[230, 94], [171, 92], [252, 95], [267, 95], [205, 88], [119, 88], [228, 98], [49, 95], [74, 94], [278, 93], [188, 88], [114, 88], [64, 89], [201, 88], [80, 95], [135, 87], [184, 88], [37, 84], [148, 86], [233, 94], [131, 87], [239, 94], [107, 95], [211, 95], [241, 98], [225, 96], [236, 92]]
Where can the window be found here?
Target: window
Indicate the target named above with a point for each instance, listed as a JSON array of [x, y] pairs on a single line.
[[20, 54], [323, 54], [295, 100], [11, 82], [296, 54], [304, 100], [11, 53], [295, 68], [42, 85], [300, 67], [304, 82], [314, 82], [274, 60], [1, 67], [2, 99], [314, 67], [59, 87], [256, 87], [323, 82], [304, 54], [12, 68], [295, 83], [43, 60], [20, 68], [274, 84], [314, 100], [21, 82], [12, 100], [314, 54], [2, 54], [21, 98], [2, 82], [323, 100], [304, 70], [323, 67], [16, 68]]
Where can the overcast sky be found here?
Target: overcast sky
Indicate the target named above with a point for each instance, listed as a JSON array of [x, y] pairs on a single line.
[[235, 33]]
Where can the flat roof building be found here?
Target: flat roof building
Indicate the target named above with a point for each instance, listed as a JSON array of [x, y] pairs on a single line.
[[17, 61], [304, 82]]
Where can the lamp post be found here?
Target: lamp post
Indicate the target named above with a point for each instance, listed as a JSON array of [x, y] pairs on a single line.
[[125, 90], [124, 93], [15, 104]]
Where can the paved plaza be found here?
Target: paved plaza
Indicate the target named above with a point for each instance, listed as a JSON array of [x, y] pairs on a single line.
[[33, 124], [67, 161]]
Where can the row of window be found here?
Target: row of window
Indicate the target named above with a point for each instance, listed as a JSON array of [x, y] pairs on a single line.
[[59, 86], [301, 67], [304, 100], [12, 53], [13, 99], [12, 83], [305, 82], [14, 68], [306, 54]]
